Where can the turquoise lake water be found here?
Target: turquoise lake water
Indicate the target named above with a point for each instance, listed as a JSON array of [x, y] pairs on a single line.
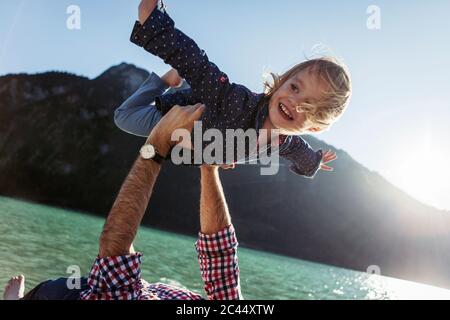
[[42, 242]]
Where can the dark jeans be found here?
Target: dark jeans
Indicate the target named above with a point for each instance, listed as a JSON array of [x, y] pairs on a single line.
[[56, 290]]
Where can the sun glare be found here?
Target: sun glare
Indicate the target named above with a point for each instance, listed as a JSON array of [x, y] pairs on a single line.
[[380, 287], [421, 169]]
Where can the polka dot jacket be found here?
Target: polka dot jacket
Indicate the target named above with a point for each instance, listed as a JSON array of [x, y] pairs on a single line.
[[228, 105]]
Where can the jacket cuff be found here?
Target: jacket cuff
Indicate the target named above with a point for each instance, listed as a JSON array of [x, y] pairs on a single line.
[[181, 97], [308, 171], [155, 23]]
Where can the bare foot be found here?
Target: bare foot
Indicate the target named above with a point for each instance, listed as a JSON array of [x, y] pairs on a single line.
[[172, 78], [15, 288], [146, 7]]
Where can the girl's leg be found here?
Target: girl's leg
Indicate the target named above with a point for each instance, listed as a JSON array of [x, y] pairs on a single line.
[[183, 86], [138, 114]]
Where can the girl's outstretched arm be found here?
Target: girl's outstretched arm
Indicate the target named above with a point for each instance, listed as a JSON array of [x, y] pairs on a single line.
[[304, 160], [158, 35]]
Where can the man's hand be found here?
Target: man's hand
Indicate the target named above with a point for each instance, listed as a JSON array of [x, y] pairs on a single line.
[[146, 8], [177, 118], [326, 158]]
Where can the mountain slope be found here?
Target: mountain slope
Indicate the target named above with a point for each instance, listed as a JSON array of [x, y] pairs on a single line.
[[59, 145]]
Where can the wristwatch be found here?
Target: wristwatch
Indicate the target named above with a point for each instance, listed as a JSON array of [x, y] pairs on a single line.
[[148, 152]]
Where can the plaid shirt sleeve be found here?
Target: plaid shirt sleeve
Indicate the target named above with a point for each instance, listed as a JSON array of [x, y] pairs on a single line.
[[217, 256], [114, 278], [304, 160]]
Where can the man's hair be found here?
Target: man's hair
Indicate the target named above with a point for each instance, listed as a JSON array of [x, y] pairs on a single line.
[[334, 102]]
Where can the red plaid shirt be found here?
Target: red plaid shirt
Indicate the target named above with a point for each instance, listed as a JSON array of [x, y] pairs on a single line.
[[120, 277]]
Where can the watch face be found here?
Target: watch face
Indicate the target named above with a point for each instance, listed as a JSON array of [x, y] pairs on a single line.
[[147, 151]]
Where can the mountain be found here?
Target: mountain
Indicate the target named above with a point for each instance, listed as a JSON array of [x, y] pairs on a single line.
[[59, 146]]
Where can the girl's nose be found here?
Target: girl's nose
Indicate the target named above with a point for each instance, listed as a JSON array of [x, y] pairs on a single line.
[[294, 103]]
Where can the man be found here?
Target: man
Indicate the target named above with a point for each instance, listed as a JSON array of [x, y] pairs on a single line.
[[116, 271]]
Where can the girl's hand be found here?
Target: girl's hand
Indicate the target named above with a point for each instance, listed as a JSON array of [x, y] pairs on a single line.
[[217, 166], [146, 8], [326, 158], [228, 166]]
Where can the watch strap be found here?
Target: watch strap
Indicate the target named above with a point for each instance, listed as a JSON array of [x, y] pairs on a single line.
[[158, 158]]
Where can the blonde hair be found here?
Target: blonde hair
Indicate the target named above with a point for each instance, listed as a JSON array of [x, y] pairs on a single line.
[[334, 102]]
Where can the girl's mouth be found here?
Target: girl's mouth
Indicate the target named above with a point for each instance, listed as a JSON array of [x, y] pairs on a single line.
[[285, 113]]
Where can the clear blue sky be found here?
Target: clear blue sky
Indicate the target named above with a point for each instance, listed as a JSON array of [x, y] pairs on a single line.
[[397, 122]]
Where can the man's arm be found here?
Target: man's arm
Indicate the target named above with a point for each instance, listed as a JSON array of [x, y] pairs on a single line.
[[126, 214], [128, 210], [214, 214], [217, 243]]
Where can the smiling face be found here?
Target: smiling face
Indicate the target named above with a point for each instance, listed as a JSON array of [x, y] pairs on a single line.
[[303, 87]]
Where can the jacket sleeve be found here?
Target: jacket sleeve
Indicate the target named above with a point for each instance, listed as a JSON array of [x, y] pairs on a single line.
[[209, 84], [304, 160]]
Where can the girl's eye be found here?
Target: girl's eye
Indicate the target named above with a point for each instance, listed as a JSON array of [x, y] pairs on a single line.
[[294, 88]]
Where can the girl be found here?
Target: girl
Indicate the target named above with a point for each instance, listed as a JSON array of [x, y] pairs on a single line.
[[308, 98]]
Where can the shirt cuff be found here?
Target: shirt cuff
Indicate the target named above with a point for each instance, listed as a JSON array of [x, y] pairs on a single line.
[[218, 243], [154, 24], [114, 277]]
